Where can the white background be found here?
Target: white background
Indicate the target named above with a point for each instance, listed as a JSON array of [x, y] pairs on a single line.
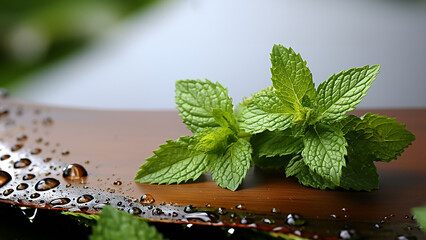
[[135, 65]]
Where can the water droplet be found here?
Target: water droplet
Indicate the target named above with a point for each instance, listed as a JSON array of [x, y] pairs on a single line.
[[47, 159], [246, 220], [408, 228], [135, 211], [208, 205], [99, 206], [222, 211], [7, 192], [60, 201], [174, 214], [46, 184], [85, 198], [84, 209], [295, 219], [30, 213], [16, 147], [28, 176], [404, 237], [35, 195], [406, 217], [112, 191], [382, 221], [377, 226], [347, 234], [241, 207], [39, 140], [344, 209], [275, 210], [21, 137], [267, 221], [35, 151], [23, 162], [117, 183], [333, 216], [147, 198], [157, 211], [74, 171], [202, 216], [65, 152], [189, 209], [4, 178], [22, 186], [5, 156], [47, 121]]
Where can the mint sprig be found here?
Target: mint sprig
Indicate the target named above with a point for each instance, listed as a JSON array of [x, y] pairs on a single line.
[[292, 126]]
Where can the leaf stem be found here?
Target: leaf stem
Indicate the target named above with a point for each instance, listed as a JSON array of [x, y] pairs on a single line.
[[244, 135]]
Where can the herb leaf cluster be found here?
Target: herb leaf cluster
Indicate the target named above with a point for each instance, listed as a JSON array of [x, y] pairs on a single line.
[[292, 126]]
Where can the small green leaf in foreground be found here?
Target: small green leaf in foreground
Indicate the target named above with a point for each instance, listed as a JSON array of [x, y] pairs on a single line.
[[420, 213], [114, 224]]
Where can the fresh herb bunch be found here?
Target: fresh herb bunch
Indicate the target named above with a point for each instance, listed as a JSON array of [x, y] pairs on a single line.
[[290, 126]]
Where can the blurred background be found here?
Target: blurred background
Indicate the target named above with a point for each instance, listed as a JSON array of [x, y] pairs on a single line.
[[128, 54]]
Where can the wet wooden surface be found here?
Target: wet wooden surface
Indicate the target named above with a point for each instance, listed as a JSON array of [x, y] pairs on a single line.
[[113, 144]]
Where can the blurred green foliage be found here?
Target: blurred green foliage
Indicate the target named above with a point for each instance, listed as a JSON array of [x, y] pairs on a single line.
[[34, 34]]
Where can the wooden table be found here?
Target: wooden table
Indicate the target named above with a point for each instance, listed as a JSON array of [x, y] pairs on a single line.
[[111, 145]]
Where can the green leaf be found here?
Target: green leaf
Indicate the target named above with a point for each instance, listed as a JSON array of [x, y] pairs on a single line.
[[277, 162], [382, 137], [348, 123], [275, 143], [196, 100], [114, 224], [343, 91], [230, 169], [291, 77], [225, 119], [294, 166], [264, 111], [420, 213], [215, 140], [306, 176], [174, 162], [325, 150], [360, 173]]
